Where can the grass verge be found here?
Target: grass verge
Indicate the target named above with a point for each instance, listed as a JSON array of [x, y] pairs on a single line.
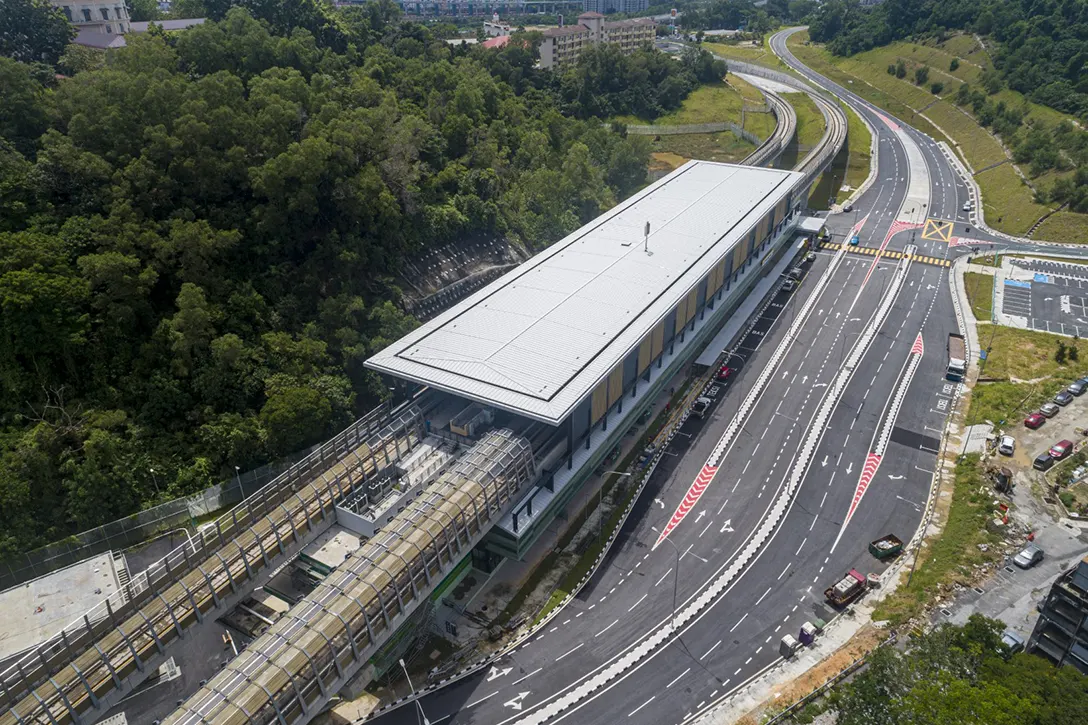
[[980, 293], [1002, 401], [859, 142], [954, 555], [1025, 355]]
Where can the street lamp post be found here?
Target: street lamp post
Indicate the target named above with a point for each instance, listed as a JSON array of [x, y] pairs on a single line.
[[675, 578], [423, 714], [155, 481], [238, 478]]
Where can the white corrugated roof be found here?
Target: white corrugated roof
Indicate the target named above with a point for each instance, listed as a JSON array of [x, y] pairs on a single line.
[[537, 340]]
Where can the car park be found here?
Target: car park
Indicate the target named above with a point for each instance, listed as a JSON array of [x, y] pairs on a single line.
[[1077, 388], [1063, 398], [1028, 557], [1049, 409], [1061, 449], [1034, 421], [1006, 445], [1043, 462]]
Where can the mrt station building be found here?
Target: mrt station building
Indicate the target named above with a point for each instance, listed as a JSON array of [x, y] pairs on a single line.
[[568, 349]]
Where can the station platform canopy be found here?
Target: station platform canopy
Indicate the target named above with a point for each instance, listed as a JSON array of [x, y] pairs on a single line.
[[538, 340]]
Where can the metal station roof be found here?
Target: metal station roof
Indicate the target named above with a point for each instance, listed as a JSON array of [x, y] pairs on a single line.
[[537, 340]]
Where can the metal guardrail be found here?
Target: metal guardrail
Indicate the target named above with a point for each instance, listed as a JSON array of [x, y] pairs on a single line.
[[116, 639]]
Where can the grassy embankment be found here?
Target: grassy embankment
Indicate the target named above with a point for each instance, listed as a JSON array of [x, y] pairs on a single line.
[[1008, 201], [1021, 372], [980, 293], [756, 55], [710, 103], [1016, 356]]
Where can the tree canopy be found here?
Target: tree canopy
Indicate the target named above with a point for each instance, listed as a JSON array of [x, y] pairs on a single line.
[[962, 675], [201, 236]]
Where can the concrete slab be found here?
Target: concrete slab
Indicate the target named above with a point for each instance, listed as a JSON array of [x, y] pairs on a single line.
[[37, 610], [331, 548]]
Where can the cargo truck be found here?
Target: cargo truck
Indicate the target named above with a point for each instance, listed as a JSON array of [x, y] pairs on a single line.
[[847, 589], [957, 358]]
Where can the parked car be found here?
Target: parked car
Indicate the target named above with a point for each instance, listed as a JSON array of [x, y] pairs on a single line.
[[1013, 641], [1063, 398], [1028, 557], [724, 373], [1043, 462], [967, 206], [848, 208], [1049, 409], [789, 285], [1061, 449], [810, 258], [796, 273], [1006, 446], [1034, 421], [1077, 388]]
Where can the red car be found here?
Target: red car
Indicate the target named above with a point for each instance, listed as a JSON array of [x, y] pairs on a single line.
[[1061, 449], [724, 373], [1035, 420]]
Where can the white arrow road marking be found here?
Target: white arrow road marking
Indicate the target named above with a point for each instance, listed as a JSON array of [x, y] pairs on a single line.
[[824, 462], [516, 702], [726, 527], [896, 478], [849, 467], [700, 516], [660, 502], [496, 673]]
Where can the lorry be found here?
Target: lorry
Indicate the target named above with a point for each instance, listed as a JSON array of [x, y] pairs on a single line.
[[957, 358], [847, 589], [886, 546]]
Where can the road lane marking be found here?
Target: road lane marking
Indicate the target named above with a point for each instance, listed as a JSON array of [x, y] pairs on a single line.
[[739, 621], [579, 646], [663, 576], [488, 697], [677, 678], [642, 706], [785, 570], [764, 595], [801, 546], [638, 602], [605, 630], [527, 676], [710, 650]]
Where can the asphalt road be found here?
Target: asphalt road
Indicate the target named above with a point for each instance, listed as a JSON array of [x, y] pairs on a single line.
[[737, 636]]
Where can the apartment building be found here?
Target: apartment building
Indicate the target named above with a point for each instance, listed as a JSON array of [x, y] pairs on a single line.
[[615, 6], [1061, 633], [562, 46], [99, 16]]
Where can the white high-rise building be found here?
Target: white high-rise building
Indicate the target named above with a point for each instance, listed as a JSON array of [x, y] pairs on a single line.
[[101, 16]]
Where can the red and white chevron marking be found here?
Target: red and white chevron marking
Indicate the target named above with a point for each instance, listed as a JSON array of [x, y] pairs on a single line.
[[690, 499], [917, 348], [872, 462], [891, 124], [896, 227]]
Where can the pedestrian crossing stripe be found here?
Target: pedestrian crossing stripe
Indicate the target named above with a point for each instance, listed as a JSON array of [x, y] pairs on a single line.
[[888, 253]]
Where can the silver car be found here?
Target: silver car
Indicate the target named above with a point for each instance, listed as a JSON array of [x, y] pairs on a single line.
[[1049, 409], [1028, 557]]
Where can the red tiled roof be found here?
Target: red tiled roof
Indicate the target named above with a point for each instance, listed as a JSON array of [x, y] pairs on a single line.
[[498, 41]]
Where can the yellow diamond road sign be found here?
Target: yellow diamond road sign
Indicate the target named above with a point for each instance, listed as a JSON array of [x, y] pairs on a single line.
[[937, 230]]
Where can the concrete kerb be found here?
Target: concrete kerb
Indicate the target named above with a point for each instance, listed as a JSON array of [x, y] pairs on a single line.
[[874, 159], [753, 548], [517, 642]]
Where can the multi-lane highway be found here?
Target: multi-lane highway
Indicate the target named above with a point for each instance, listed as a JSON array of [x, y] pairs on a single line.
[[843, 406]]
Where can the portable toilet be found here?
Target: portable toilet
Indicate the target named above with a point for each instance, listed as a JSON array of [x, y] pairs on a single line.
[[808, 633], [788, 646]]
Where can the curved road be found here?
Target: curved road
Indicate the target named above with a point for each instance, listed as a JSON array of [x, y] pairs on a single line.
[[890, 414]]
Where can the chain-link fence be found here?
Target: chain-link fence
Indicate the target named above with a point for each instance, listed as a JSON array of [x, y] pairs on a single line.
[[716, 127], [131, 530]]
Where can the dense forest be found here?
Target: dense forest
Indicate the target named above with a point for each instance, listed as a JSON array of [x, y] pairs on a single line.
[[1039, 48], [961, 675], [201, 234]]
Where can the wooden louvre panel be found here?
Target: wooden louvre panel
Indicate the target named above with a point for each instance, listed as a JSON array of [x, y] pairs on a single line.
[[681, 316], [761, 230], [740, 254], [615, 385], [693, 303], [657, 340], [600, 401], [644, 356], [783, 208]]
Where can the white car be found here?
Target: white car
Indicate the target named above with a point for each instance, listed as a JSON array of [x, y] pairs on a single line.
[[967, 206], [1006, 446]]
